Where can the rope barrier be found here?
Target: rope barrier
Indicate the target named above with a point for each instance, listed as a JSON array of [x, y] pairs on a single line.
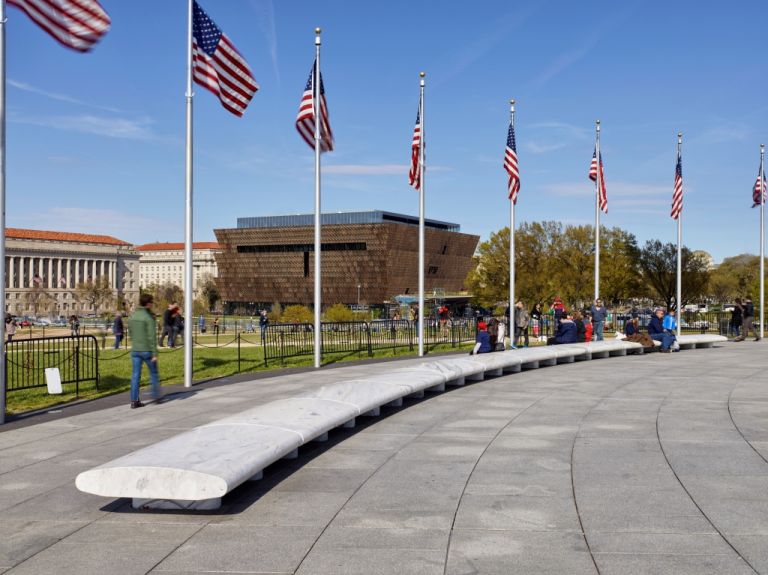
[[27, 366]]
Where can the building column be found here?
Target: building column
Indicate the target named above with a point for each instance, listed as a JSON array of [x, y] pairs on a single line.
[[50, 273], [68, 272], [77, 271], [10, 268]]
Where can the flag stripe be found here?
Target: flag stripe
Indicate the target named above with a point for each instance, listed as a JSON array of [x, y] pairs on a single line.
[[414, 174], [76, 24], [593, 171], [759, 191]]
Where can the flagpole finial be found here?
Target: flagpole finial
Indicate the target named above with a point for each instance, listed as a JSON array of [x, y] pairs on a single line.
[[597, 125], [512, 102], [317, 36], [422, 74], [318, 31]]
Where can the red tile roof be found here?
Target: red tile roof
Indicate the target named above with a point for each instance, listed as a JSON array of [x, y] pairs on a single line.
[[163, 246], [22, 234]]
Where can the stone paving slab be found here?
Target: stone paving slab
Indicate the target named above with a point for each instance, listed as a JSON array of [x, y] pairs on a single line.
[[638, 464]]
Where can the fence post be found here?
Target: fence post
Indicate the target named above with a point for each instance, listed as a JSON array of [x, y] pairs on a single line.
[[238, 353], [96, 367], [282, 348], [77, 368], [368, 332]]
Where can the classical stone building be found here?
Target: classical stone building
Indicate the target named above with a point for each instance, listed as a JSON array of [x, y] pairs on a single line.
[[54, 263], [164, 263], [367, 257]]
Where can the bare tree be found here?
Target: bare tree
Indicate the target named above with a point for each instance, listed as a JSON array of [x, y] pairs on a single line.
[[94, 293]]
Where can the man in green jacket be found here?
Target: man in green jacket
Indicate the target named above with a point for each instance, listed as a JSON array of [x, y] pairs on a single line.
[[143, 333]]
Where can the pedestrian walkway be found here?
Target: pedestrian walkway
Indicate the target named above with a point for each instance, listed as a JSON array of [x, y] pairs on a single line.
[[640, 464]]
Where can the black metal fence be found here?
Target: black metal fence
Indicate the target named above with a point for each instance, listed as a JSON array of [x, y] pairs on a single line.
[[281, 341], [692, 322], [26, 360]]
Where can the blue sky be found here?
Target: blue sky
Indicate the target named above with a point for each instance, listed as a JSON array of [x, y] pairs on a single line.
[[95, 142]]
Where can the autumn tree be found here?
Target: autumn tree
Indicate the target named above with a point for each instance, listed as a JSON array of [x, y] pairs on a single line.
[[737, 276], [164, 294], [209, 291], [94, 293], [658, 267]]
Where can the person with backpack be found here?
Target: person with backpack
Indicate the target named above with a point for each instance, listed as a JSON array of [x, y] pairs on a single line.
[[749, 321], [522, 320]]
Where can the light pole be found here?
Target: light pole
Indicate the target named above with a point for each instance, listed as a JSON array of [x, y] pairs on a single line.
[[358, 296]]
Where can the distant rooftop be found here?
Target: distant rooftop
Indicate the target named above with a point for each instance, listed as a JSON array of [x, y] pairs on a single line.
[[370, 217], [24, 234]]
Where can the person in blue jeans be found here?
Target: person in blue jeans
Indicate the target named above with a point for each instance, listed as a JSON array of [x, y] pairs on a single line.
[[143, 349], [599, 313], [657, 332], [118, 330]]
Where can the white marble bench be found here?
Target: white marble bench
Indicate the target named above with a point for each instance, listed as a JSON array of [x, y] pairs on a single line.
[[195, 469], [694, 341]]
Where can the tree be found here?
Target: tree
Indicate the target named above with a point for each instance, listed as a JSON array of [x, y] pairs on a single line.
[[209, 291], [38, 298], [658, 266], [94, 293], [164, 295], [737, 276], [619, 276]]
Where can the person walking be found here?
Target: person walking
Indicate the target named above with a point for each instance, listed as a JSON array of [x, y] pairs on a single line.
[[737, 318], [143, 349], [522, 319], [167, 324], [536, 317], [263, 323], [749, 321], [10, 326], [598, 313], [201, 324], [118, 329], [215, 326], [74, 325]]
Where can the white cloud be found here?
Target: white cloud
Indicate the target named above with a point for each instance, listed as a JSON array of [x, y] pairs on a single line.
[[537, 149], [125, 128], [634, 191], [56, 96]]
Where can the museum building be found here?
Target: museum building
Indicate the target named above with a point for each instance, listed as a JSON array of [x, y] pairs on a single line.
[[367, 258]]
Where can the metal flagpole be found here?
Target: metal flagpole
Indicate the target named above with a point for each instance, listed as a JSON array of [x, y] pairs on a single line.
[[598, 183], [511, 327], [420, 319], [318, 118], [679, 293], [762, 240], [188, 289], [2, 207]]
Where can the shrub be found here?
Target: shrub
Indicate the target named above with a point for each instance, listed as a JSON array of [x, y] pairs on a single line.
[[339, 312], [297, 314]]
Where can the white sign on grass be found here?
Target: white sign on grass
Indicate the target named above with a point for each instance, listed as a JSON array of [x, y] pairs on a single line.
[[53, 379]]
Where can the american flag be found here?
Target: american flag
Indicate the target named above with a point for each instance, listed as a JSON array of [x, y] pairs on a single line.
[[414, 174], [510, 164], [218, 66], [603, 197], [758, 192], [677, 195], [77, 24], [305, 121]]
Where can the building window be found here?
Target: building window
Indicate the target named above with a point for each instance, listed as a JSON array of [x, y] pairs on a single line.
[[306, 264], [445, 249], [282, 248], [432, 270]]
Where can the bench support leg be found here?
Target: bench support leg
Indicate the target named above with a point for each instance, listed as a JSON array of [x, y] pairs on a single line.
[[566, 359], [531, 365], [495, 372], [292, 455], [375, 412], [512, 368], [396, 402], [349, 424], [458, 382], [177, 504], [476, 376], [437, 388], [417, 394], [321, 438], [258, 477]]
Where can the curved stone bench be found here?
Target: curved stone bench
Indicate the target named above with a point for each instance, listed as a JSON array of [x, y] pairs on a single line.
[[195, 469], [694, 341]]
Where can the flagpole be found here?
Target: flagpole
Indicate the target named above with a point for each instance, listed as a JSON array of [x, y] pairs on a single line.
[[2, 206], [598, 183], [762, 240], [188, 290], [422, 143], [679, 293], [511, 327], [318, 118]]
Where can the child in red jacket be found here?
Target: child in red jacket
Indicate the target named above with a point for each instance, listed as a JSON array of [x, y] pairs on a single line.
[[588, 327]]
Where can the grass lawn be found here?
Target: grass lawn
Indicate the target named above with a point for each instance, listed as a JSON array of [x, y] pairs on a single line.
[[115, 371]]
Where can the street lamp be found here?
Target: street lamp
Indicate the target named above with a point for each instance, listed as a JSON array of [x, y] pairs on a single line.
[[358, 295]]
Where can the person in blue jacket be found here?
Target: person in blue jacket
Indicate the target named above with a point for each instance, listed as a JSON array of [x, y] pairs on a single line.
[[483, 338], [566, 331], [657, 332]]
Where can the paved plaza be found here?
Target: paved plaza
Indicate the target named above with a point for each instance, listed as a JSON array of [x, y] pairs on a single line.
[[641, 464]]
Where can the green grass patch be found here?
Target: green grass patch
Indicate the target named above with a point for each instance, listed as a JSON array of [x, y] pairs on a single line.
[[208, 363]]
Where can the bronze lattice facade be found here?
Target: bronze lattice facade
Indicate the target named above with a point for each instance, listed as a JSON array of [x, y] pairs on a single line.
[[260, 264]]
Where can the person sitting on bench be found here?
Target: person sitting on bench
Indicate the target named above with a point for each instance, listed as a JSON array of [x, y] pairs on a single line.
[[657, 332], [566, 331]]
